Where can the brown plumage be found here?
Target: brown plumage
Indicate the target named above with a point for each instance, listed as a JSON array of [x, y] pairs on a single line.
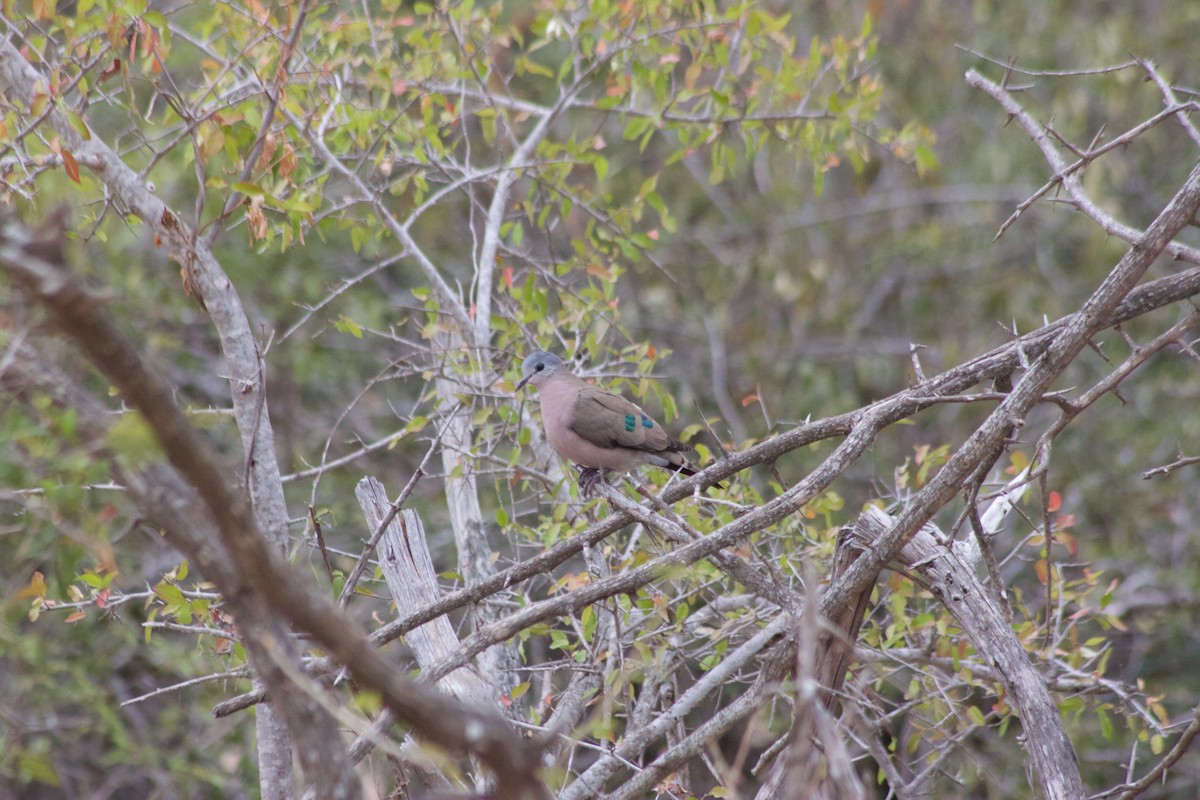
[[598, 430]]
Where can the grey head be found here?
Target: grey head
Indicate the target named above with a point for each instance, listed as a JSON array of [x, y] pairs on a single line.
[[538, 367]]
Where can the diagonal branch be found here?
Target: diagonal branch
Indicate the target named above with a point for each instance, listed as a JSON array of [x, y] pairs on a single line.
[[1068, 174], [1003, 360], [452, 725], [216, 291]]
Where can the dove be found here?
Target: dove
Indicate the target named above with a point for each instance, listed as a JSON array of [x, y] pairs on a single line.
[[600, 431]]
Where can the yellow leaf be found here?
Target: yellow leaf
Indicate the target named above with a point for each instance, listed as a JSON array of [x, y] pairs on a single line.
[[36, 587]]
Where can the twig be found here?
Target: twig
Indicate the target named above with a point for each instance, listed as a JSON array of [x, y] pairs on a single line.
[[1167, 469], [234, 674], [1130, 791]]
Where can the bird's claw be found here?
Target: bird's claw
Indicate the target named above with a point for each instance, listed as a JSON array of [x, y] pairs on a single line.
[[589, 478]]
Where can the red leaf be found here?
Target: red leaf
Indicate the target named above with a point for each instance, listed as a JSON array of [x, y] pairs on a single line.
[[76, 616], [1055, 502], [750, 398], [507, 273]]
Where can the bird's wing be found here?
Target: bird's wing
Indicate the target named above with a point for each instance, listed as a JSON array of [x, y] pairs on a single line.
[[609, 420]]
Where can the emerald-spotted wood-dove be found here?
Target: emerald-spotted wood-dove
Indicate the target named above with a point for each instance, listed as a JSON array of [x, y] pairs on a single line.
[[598, 430]]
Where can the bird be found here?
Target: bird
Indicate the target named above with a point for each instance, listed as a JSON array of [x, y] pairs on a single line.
[[599, 431]]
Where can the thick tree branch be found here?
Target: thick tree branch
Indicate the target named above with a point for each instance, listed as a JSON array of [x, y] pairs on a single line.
[[948, 570], [448, 723], [216, 291], [1075, 333], [172, 506], [1002, 360]]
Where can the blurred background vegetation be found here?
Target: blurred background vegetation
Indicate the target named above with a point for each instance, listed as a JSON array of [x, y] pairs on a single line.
[[768, 303]]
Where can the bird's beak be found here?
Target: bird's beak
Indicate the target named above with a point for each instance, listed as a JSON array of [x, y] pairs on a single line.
[[524, 381]]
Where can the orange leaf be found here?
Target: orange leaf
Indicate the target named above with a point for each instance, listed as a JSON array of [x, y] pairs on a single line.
[[1040, 568], [287, 164], [147, 38], [750, 398], [1055, 502], [255, 218], [70, 165], [507, 273], [76, 616], [600, 271]]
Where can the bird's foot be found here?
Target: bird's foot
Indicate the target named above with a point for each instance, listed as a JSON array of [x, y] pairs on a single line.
[[589, 478]]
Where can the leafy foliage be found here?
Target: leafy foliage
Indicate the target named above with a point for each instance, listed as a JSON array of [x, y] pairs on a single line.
[[407, 196]]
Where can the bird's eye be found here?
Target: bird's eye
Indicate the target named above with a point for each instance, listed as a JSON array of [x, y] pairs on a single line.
[[540, 367]]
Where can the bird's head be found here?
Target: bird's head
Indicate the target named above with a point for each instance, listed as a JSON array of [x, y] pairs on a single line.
[[538, 367]]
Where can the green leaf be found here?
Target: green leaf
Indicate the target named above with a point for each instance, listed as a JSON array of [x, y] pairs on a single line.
[[79, 125], [132, 440], [169, 593], [346, 325], [247, 188], [37, 768], [926, 160], [1106, 726]]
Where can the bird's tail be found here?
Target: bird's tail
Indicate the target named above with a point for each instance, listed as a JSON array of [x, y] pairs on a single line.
[[680, 465]]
